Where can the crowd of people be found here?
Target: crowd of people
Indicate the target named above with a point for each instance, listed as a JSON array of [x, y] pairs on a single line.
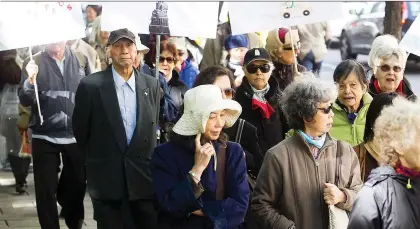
[[243, 136]]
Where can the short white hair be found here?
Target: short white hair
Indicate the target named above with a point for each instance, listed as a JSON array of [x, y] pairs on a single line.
[[383, 47], [397, 128]]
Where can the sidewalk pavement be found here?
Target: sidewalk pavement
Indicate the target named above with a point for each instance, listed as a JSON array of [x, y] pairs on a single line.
[[19, 212]]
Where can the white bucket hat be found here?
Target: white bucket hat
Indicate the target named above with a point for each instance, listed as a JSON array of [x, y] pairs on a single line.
[[199, 102], [140, 47]]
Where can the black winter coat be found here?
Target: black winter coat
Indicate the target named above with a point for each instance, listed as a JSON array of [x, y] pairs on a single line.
[[270, 131], [385, 202], [177, 90]]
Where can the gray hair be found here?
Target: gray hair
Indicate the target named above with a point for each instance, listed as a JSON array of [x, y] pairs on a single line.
[[300, 99], [397, 128], [384, 47]]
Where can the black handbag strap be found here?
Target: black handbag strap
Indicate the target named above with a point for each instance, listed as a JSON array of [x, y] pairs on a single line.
[[338, 164], [238, 136], [220, 173]]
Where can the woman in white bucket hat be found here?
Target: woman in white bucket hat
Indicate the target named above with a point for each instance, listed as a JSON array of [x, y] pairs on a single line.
[[199, 177]]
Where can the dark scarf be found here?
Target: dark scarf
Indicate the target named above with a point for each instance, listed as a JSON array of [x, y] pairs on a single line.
[[351, 116]]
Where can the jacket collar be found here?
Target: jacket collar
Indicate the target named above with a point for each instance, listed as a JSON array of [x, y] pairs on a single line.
[[406, 88], [271, 95], [366, 99], [299, 140]]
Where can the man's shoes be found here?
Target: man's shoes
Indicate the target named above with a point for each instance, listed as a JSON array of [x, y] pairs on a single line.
[[21, 188]]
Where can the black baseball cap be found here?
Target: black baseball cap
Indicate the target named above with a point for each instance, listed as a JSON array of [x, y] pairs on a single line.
[[256, 54], [116, 35]]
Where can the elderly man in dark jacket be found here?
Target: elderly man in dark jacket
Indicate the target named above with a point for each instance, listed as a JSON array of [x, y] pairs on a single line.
[[115, 121], [57, 72]]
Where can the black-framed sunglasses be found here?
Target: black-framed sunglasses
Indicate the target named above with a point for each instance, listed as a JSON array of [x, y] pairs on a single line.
[[170, 60], [252, 68], [326, 110], [387, 68], [228, 92], [289, 47]]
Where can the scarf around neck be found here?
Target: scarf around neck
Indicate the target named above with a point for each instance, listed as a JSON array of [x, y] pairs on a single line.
[[373, 149], [318, 142], [399, 89], [237, 67], [259, 102]]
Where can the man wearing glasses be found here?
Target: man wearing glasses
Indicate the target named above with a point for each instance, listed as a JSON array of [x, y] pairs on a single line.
[[258, 96]]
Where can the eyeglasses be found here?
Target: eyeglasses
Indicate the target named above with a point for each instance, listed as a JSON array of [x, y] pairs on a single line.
[[326, 110], [228, 92], [170, 60], [289, 47], [252, 68], [387, 68]]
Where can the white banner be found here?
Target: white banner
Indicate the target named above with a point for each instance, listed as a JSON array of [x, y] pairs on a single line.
[[188, 19], [248, 17], [24, 24], [410, 41]]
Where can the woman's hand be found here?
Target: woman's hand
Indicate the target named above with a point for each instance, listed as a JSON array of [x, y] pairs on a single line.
[[333, 195], [198, 213], [203, 154]]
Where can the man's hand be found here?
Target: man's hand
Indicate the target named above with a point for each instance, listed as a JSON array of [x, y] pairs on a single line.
[[32, 70]]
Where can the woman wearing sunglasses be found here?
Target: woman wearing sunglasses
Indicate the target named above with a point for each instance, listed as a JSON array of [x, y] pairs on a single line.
[[305, 173], [258, 95], [279, 45], [387, 61]]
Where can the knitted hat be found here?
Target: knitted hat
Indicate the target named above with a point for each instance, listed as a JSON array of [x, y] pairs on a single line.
[[280, 37], [236, 41]]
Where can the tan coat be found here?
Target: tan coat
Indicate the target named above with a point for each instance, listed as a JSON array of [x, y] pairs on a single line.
[[90, 53], [290, 185], [313, 37]]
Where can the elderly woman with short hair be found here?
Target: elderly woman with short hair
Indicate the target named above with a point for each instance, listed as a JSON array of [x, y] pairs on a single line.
[[305, 173], [352, 102], [390, 198], [387, 60]]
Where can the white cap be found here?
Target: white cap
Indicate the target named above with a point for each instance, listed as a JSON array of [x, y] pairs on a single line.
[[140, 47]]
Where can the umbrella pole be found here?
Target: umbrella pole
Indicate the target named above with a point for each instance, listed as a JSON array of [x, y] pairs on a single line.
[[295, 69], [36, 91], [157, 56]]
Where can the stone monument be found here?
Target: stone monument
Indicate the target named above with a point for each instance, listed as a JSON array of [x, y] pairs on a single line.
[[159, 21]]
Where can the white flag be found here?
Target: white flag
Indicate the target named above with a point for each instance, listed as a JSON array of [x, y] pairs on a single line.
[[410, 41], [248, 17], [24, 24]]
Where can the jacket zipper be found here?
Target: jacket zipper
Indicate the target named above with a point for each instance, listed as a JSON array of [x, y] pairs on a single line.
[[318, 182]]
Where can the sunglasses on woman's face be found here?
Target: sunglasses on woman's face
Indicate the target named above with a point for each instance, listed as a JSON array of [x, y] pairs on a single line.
[[326, 110], [228, 93], [387, 68], [170, 60], [252, 68]]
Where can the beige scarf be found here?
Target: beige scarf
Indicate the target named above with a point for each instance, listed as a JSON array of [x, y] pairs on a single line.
[[372, 148]]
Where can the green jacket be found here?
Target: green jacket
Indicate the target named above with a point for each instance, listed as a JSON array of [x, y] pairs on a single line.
[[342, 129]]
